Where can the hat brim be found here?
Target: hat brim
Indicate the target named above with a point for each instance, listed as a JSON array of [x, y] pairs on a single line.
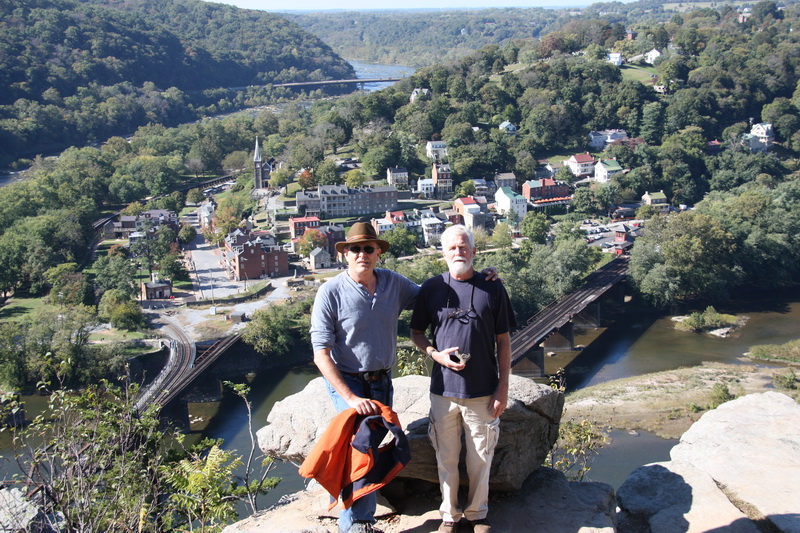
[[383, 245]]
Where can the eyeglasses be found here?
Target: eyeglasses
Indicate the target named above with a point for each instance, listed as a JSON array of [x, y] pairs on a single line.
[[463, 315], [357, 249]]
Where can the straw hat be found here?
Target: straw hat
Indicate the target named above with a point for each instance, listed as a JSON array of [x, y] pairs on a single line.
[[361, 232]]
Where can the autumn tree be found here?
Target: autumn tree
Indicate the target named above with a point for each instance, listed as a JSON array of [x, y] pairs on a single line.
[[310, 240]]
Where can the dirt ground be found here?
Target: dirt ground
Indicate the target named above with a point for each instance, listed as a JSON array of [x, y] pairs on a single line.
[[667, 403]]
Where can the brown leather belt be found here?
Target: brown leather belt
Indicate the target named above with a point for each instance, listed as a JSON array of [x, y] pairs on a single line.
[[370, 377]]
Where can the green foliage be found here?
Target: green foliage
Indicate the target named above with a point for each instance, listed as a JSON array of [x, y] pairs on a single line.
[[200, 487], [412, 362], [719, 394], [707, 320], [788, 352], [76, 71], [277, 329], [787, 380], [578, 441], [96, 459], [403, 242]]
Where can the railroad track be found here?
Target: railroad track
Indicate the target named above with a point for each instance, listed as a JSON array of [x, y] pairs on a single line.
[[551, 318]]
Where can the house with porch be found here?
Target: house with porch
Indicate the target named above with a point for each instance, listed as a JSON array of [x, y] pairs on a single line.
[[605, 169], [397, 176], [581, 165], [436, 150], [658, 200]]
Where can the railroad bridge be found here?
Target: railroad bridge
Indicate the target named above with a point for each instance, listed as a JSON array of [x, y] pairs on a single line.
[[550, 328]]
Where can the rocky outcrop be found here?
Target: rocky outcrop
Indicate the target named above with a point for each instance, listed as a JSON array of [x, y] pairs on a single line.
[[733, 470], [546, 503], [528, 428]]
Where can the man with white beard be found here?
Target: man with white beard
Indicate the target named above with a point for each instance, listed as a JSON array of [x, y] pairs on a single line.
[[470, 320]]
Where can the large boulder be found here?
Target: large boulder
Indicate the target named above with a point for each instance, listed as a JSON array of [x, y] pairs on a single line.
[[528, 428], [738, 463]]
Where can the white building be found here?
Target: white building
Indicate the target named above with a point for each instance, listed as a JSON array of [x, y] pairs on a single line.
[[581, 164], [426, 187], [605, 169], [760, 138], [651, 56], [598, 140], [397, 176], [507, 201], [615, 58], [436, 150]]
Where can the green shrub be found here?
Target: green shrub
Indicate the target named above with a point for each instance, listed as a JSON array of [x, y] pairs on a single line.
[[787, 380], [720, 394]]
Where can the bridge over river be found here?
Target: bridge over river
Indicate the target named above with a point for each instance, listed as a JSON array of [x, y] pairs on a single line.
[[184, 366]]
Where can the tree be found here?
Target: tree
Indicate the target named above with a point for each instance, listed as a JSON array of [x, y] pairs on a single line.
[[306, 179], [535, 227], [465, 189], [501, 238], [187, 233], [115, 272], [270, 331], [684, 257], [310, 240], [354, 178], [280, 178], [325, 173], [195, 196], [481, 237], [113, 484], [402, 241]]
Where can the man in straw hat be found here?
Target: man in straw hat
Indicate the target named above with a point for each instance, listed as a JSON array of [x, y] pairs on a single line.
[[354, 337]]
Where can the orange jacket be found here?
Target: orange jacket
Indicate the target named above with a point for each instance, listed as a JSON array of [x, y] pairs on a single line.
[[348, 458]]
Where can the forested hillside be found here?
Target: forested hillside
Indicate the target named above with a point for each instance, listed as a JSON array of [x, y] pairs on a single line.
[[72, 72], [430, 36]]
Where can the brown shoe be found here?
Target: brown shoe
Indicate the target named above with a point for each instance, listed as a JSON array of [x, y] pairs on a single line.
[[481, 526], [447, 527]]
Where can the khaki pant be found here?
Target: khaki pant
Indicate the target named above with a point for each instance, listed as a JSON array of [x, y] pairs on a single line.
[[449, 418]]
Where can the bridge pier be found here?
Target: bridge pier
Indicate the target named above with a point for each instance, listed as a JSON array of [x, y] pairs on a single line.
[[531, 365], [563, 339], [175, 415]]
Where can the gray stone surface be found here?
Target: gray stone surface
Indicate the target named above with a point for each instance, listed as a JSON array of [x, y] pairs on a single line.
[[745, 455], [17, 513], [528, 428], [547, 503]]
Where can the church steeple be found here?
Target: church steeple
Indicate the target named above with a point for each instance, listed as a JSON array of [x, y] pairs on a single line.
[[258, 168], [257, 156]]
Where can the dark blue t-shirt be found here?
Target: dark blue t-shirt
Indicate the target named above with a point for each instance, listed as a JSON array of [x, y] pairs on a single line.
[[468, 314]]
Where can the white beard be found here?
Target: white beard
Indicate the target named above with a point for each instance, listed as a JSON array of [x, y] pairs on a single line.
[[460, 268]]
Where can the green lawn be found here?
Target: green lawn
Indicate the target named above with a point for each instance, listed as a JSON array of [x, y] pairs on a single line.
[[637, 73], [18, 307]]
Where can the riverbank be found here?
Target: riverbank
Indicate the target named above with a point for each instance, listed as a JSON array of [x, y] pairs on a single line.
[[667, 403]]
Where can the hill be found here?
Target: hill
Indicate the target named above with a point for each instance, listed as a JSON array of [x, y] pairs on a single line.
[[72, 72]]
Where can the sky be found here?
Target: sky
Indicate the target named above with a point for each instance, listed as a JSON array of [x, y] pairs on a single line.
[[321, 5]]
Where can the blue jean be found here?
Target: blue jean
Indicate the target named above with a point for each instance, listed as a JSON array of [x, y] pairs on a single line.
[[363, 509]]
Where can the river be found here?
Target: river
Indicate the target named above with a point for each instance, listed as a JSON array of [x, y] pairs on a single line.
[[637, 344]]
